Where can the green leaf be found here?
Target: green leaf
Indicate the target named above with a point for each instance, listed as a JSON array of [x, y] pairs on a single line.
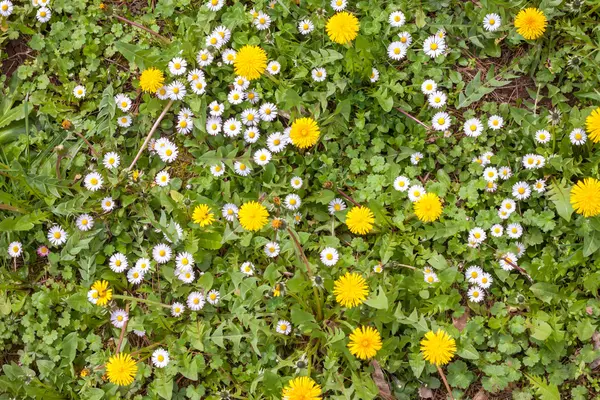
[[210, 240], [543, 389], [541, 330], [544, 291], [378, 301], [559, 194], [136, 55], [468, 351]]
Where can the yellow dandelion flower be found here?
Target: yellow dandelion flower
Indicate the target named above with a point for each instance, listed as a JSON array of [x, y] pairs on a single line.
[[121, 369], [592, 125], [151, 80], [343, 27], [350, 290], [253, 216], [531, 23], [301, 388], [250, 62], [428, 207], [202, 215], [364, 342], [103, 293], [585, 197], [304, 133], [438, 348], [360, 220]]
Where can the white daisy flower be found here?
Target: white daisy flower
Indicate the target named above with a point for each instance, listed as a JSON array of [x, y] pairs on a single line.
[[232, 127], [262, 21], [543, 136], [107, 204], [204, 57], [292, 201], [251, 134], [123, 102], [111, 160], [495, 122], [476, 294], [217, 170], [497, 230], [235, 97], [508, 205], [521, 190], [487, 157], [378, 268], [284, 327], [338, 5], [505, 173], [415, 158], [415, 192], [176, 90], [118, 318], [247, 268], [177, 309], [214, 40], [93, 181], [297, 218], [142, 265], [213, 297], [92, 296], [252, 96], [213, 126], [15, 249], [272, 249], [540, 161], [215, 5], [185, 125], [240, 83], [160, 358], [473, 127], [43, 14], [428, 87], [228, 56], [539, 186], [441, 121], [161, 253], [401, 183], [186, 275], [177, 66], [296, 182], [305, 26], [374, 75], [268, 112], [241, 168], [473, 273], [262, 157], [273, 67], [507, 260], [319, 74], [336, 205], [184, 260], [406, 39], [168, 153], [491, 22], [529, 161], [485, 280], [57, 235], [396, 51], [195, 301], [503, 214], [490, 174], [276, 142], [437, 99], [162, 179], [578, 136], [250, 116], [78, 91], [397, 19], [224, 32], [162, 93], [229, 211], [124, 121], [118, 262], [135, 276], [514, 230], [329, 256], [195, 75], [84, 222], [431, 278], [199, 86], [434, 46], [477, 235]]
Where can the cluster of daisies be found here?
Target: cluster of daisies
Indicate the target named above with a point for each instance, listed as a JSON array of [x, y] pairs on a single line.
[[43, 12]]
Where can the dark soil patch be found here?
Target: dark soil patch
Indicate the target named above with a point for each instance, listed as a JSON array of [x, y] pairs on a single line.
[[16, 52]]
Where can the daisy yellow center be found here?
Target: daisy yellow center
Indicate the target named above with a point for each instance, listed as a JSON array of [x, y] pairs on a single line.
[[162, 253], [433, 46], [57, 235]]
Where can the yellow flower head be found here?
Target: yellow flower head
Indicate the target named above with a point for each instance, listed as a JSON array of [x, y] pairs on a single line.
[[151, 80], [301, 388], [304, 132], [438, 348], [342, 28], [531, 23], [360, 220], [585, 197], [428, 207], [121, 369], [250, 62], [592, 125], [253, 216], [202, 215], [103, 292], [364, 342], [351, 290]]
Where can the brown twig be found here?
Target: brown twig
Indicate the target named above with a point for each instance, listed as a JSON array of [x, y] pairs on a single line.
[[166, 39], [445, 382], [413, 118], [350, 199], [123, 331], [299, 247], [154, 127], [88, 144]]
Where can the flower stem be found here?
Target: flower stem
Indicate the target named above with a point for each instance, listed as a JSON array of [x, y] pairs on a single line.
[[413, 118], [123, 19], [350, 199], [140, 300], [123, 329], [445, 382]]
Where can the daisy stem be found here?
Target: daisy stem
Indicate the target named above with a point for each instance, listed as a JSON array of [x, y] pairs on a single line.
[[88, 144], [145, 349], [445, 382], [154, 127], [123, 329], [140, 300], [413, 118], [123, 19], [350, 199]]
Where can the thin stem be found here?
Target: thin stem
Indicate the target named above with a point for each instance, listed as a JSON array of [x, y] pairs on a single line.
[[123, 329], [166, 39], [445, 382], [153, 345], [350, 199], [140, 300], [88, 144], [154, 127], [413, 118]]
